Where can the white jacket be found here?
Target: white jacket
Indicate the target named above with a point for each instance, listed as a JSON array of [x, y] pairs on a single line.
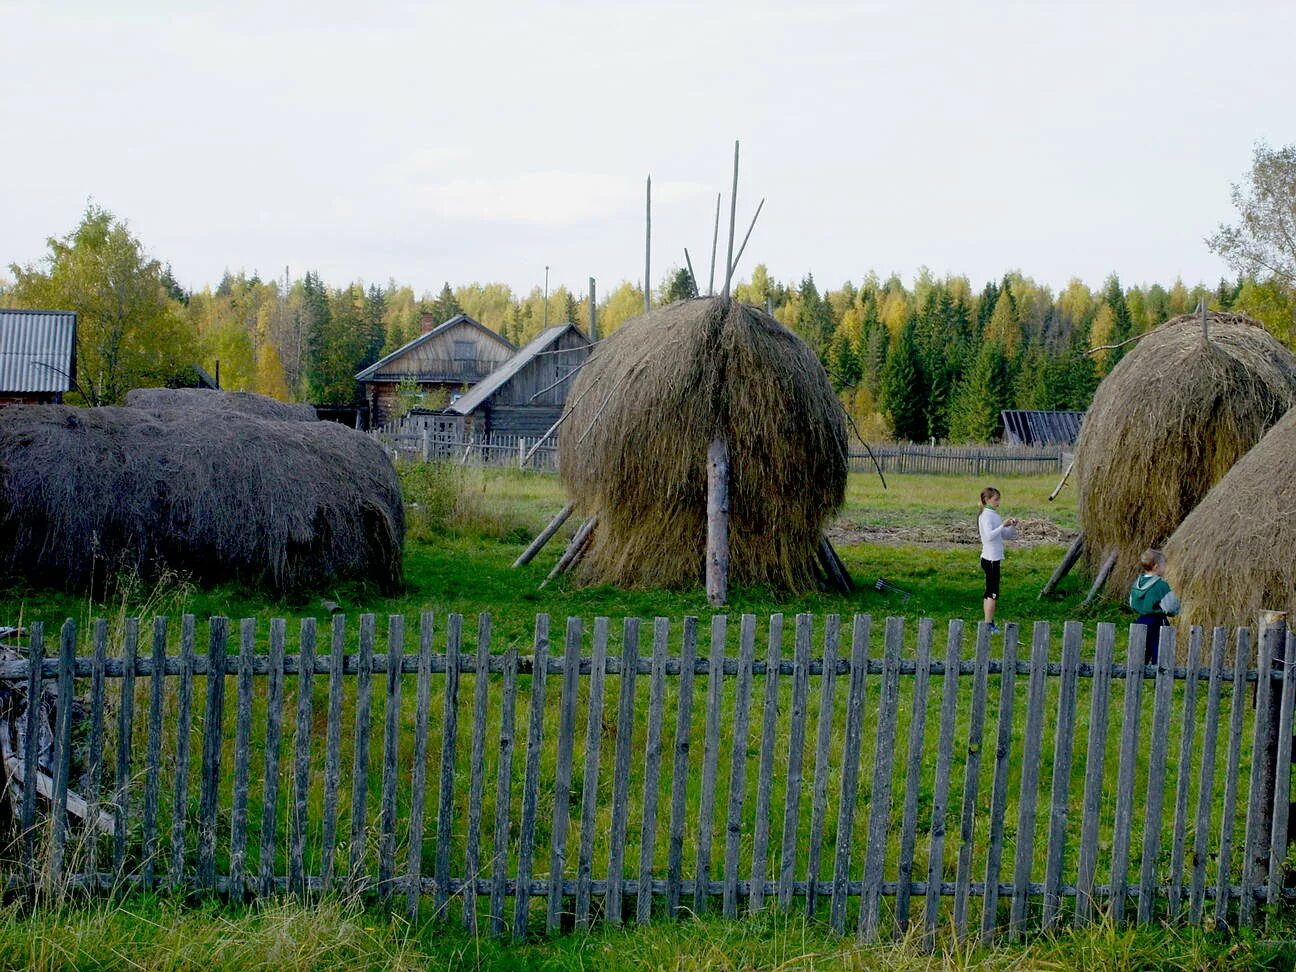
[[993, 534]]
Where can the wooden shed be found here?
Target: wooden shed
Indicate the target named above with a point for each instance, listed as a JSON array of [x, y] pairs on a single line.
[[522, 398], [444, 359], [37, 356], [1024, 427]]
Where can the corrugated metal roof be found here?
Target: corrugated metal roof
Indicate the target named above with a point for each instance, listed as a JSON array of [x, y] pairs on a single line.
[[37, 350], [493, 382], [1022, 427], [370, 373]]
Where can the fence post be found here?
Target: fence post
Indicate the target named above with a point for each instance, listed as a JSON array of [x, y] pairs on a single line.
[[521, 451], [427, 443]]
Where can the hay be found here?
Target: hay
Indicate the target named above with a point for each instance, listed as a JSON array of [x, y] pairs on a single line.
[[289, 506], [632, 450], [1170, 420], [1232, 556], [163, 402]]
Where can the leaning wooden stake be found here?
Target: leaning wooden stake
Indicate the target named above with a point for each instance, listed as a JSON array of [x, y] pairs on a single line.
[[538, 543], [1065, 476], [717, 549], [733, 214], [648, 247], [1072, 555], [1101, 579], [573, 551], [833, 566]]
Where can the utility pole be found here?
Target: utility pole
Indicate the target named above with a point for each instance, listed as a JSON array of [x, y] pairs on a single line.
[[546, 298]]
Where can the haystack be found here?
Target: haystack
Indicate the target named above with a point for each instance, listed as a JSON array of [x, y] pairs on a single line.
[[633, 447], [162, 402], [1170, 420], [1235, 554], [219, 495]]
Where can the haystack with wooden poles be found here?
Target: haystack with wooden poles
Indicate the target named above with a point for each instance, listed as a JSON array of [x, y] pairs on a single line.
[[164, 402], [1234, 556], [218, 494], [704, 439], [1174, 415]]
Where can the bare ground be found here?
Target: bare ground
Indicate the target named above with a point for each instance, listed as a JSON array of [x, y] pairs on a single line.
[[1030, 533]]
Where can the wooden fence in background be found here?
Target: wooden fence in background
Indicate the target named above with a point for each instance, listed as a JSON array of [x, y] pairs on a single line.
[[863, 774]]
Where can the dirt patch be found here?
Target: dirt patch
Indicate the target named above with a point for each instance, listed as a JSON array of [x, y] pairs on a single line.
[[1030, 533]]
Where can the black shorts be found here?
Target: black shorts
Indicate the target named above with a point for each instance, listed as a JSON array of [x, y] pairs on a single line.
[[991, 568]]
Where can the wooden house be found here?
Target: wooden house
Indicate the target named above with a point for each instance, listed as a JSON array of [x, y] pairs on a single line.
[[523, 398], [37, 356], [444, 359]]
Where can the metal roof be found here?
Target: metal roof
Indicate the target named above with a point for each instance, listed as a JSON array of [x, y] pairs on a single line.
[[37, 350], [370, 373], [496, 380], [1023, 427]]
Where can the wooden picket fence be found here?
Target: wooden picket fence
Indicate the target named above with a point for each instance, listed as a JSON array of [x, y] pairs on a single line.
[[906, 806], [985, 460]]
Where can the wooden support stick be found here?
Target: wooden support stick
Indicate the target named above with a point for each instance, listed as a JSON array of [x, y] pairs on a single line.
[[1101, 579], [573, 550], [593, 325], [545, 535], [715, 238], [833, 566], [648, 248], [1065, 476], [1068, 561], [733, 214], [551, 387], [742, 248], [561, 419], [717, 549], [692, 276]]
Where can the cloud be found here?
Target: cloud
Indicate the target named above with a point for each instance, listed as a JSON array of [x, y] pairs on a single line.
[[545, 198]]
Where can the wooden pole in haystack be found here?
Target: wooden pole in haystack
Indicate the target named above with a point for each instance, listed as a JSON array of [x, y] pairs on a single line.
[[733, 215], [648, 248], [1064, 568], [692, 276], [538, 543], [593, 330], [717, 548], [751, 227], [715, 239], [574, 550], [1101, 579]]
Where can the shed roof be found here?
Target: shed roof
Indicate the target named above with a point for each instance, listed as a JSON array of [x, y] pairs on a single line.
[[368, 374], [498, 378], [1041, 428], [37, 350]]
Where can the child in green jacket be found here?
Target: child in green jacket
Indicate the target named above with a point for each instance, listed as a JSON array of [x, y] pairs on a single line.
[[1152, 600]]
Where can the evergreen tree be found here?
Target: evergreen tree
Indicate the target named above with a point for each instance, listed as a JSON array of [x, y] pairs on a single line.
[[904, 391], [1122, 322], [445, 306], [844, 367], [375, 313], [982, 394]]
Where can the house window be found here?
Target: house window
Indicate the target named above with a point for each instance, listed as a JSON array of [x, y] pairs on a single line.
[[465, 350]]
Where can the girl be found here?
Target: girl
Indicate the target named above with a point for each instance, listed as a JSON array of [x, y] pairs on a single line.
[[1152, 600], [994, 532]]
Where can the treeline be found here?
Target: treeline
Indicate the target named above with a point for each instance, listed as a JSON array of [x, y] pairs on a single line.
[[930, 359]]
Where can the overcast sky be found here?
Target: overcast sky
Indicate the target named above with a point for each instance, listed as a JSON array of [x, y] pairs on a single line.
[[483, 141]]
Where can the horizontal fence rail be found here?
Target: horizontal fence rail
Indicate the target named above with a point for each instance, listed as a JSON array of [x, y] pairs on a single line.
[[879, 776]]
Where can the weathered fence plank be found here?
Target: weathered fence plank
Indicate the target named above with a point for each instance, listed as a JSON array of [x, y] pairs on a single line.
[[301, 757], [418, 771], [1206, 780], [477, 765], [1033, 738], [94, 756], [1242, 656], [710, 763], [242, 758], [1126, 770], [1156, 777], [360, 752], [62, 757], [765, 771], [819, 799], [679, 767], [913, 774], [503, 792], [796, 755], [333, 751], [652, 768], [562, 775], [125, 739], [1095, 764], [391, 754], [880, 800], [941, 781], [1187, 739], [153, 770], [999, 785], [1063, 747], [971, 780], [35, 664], [1282, 781], [273, 740], [184, 716], [589, 779], [850, 773], [449, 739], [621, 769], [1253, 858], [213, 735]]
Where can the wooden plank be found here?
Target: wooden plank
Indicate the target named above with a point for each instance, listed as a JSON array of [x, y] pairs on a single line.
[[1162, 701], [94, 754], [503, 787], [213, 735], [153, 771], [333, 750], [125, 740], [184, 718], [1063, 750], [679, 767], [999, 784], [477, 765], [1242, 658], [621, 770], [391, 755], [242, 760], [880, 802], [273, 741], [941, 781], [819, 798], [418, 770], [535, 734], [652, 768], [1095, 765], [1125, 771], [796, 755], [589, 780], [971, 780], [1206, 782], [563, 773], [765, 773], [360, 752], [849, 791], [301, 757], [710, 763], [449, 738], [35, 715], [1029, 792], [1257, 791], [913, 774], [738, 763], [1282, 782], [62, 758], [546, 534], [1187, 740]]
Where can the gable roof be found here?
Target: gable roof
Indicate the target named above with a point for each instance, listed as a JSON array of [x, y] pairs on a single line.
[[369, 373], [37, 350], [496, 380], [1041, 428]]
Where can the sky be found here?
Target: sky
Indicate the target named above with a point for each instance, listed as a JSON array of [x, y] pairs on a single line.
[[487, 141]]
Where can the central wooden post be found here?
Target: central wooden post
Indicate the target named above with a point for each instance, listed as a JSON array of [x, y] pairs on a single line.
[[717, 552]]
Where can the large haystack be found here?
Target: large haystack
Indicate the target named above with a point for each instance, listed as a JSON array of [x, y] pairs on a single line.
[[1235, 554], [85, 493], [1170, 420], [163, 402], [633, 449]]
